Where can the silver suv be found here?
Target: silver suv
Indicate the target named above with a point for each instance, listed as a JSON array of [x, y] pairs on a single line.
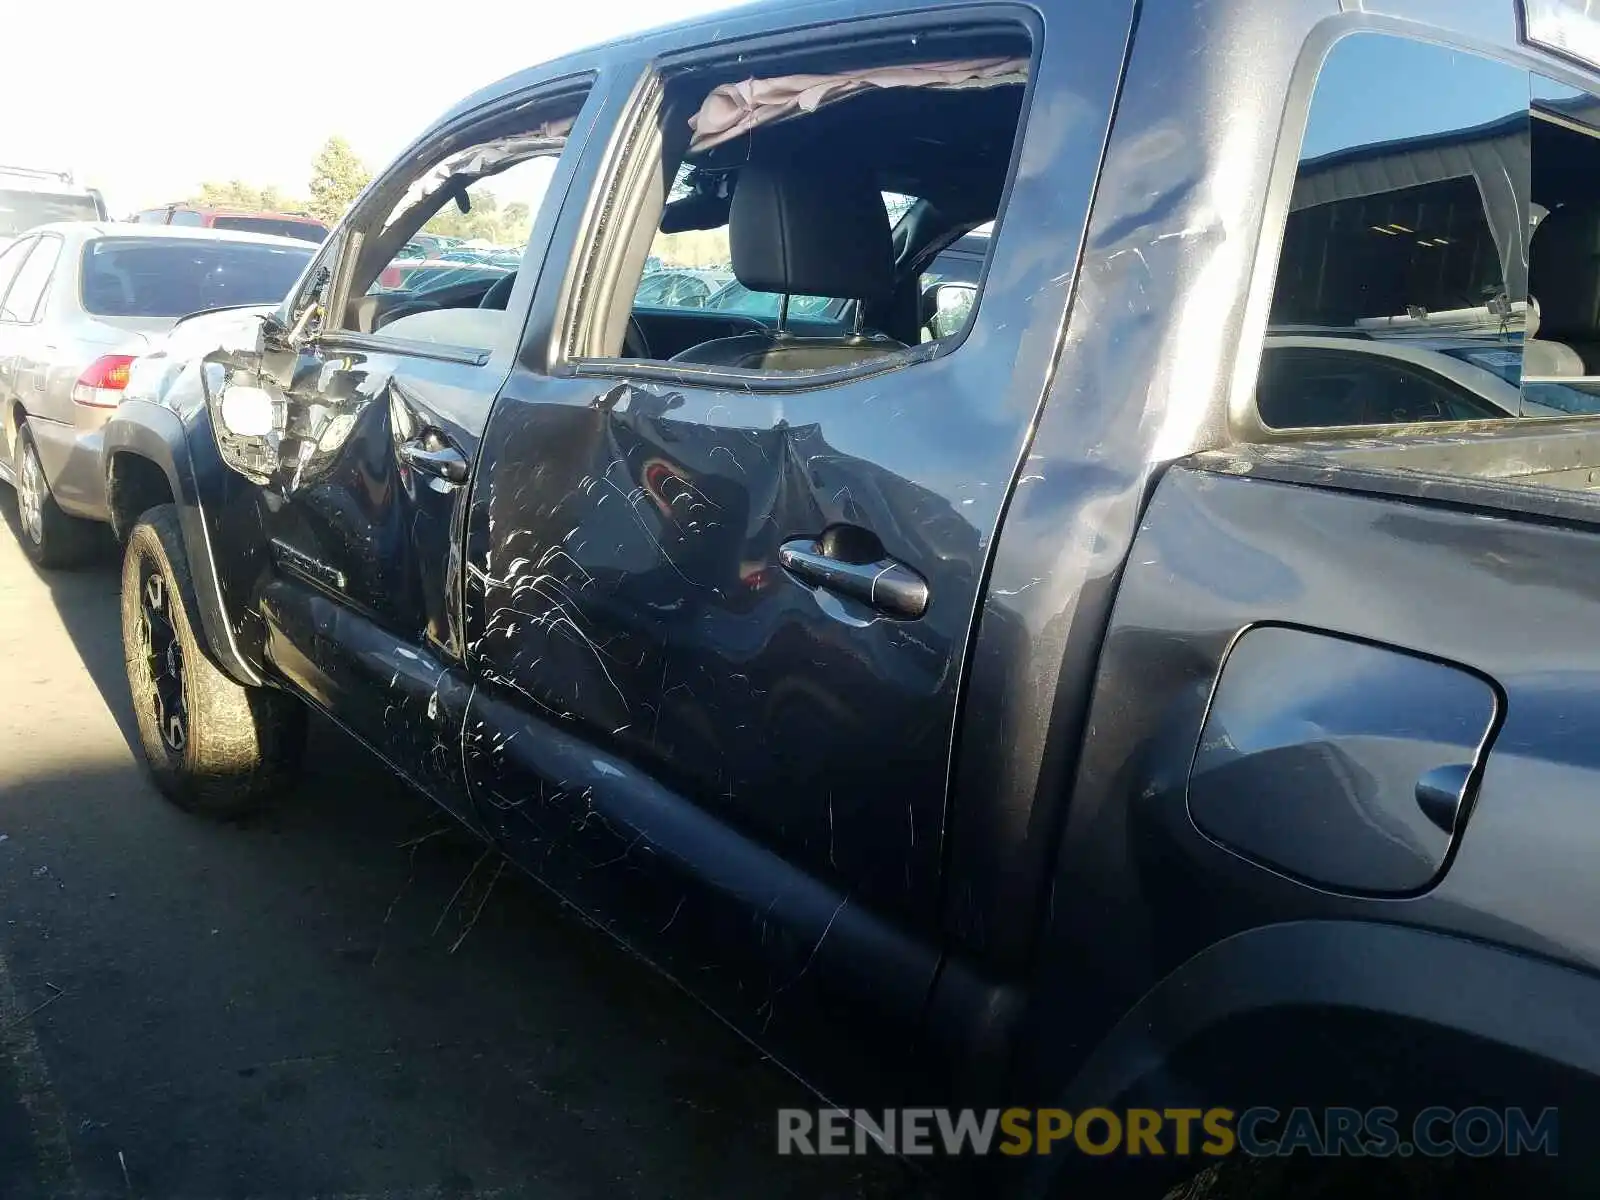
[[30, 197]]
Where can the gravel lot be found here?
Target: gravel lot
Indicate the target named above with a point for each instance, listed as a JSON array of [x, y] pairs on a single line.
[[303, 1006]]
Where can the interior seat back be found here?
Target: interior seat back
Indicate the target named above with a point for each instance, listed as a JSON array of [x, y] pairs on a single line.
[[798, 229], [1564, 285]]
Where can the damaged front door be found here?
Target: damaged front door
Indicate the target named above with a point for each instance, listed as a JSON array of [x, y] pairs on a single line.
[[358, 415], [360, 456]]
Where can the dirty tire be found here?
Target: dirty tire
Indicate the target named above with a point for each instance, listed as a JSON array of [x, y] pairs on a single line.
[[50, 537], [212, 746]]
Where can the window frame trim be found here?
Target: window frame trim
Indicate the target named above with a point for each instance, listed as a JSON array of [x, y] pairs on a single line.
[[597, 247], [5, 289], [39, 304], [354, 339]]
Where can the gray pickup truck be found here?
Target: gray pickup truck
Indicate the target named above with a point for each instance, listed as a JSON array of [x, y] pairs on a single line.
[[1165, 682]]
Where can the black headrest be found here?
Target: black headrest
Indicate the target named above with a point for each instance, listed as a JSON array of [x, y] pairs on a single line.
[[810, 232], [1564, 273]]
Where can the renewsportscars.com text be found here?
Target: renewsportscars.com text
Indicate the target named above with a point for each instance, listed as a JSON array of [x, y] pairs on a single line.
[[1259, 1132]]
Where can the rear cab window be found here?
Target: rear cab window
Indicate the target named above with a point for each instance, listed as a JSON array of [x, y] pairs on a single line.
[[1436, 264]]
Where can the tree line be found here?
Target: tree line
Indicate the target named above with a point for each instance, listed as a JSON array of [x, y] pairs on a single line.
[[337, 177]]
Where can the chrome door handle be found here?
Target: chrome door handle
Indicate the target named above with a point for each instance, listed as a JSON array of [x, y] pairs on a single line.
[[431, 456], [884, 584]]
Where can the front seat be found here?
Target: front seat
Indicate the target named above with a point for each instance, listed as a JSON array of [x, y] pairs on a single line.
[[498, 297], [805, 232], [499, 293], [1564, 286]]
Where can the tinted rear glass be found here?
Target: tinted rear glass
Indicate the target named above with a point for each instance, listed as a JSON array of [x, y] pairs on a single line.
[[171, 277], [21, 211], [273, 225]]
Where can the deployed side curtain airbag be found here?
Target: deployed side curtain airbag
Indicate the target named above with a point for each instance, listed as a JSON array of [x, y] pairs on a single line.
[[735, 108]]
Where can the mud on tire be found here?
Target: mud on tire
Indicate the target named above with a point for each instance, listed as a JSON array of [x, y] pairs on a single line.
[[212, 746]]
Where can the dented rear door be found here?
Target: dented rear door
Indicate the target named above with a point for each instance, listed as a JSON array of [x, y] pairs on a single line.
[[673, 726]]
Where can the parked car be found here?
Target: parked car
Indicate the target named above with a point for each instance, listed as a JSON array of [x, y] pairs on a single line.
[[480, 254], [281, 224], [1312, 382], [431, 245], [1018, 719], [30, 197], [735, 297], [431, 274], [681, 287], [959, 263], [78, 300]]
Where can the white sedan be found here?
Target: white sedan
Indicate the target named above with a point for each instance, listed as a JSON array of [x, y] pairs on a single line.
[[1326, 381]]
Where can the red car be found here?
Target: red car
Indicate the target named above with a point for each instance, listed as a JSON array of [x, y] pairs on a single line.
[[294, 225]]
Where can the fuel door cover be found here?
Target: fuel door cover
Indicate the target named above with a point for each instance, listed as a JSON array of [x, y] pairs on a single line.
[[1344, 764]]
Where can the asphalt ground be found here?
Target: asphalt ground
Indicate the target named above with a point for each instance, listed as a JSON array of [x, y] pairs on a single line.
[[342, 998]]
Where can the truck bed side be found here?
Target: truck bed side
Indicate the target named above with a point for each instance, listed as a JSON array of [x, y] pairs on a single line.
[[1489, 581]]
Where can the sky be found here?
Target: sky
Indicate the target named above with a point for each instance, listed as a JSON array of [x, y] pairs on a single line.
[[146, 102], [1424, 89]]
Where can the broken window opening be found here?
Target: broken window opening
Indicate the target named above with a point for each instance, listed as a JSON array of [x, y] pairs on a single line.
[[796, 214], [438, 250]]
